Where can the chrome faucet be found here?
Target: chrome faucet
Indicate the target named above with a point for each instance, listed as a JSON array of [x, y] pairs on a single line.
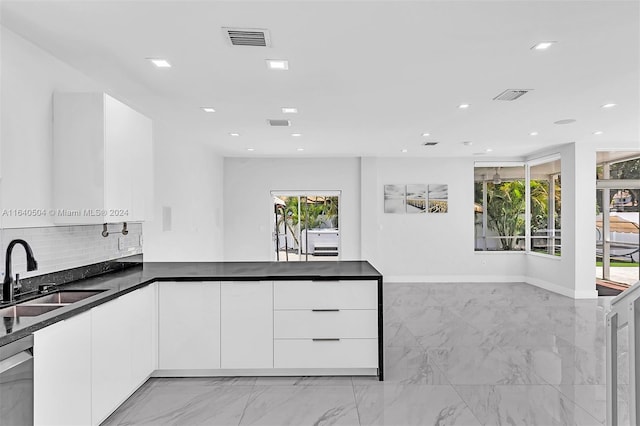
[[32, 265]]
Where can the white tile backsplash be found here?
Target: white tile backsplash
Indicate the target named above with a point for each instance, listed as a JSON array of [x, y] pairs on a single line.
[[63, 247]]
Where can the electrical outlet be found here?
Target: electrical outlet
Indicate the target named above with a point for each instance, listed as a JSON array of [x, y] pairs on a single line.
[[121, 245]]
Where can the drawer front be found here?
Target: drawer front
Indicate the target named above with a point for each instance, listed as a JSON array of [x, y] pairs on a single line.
[[325, 295], [342, 353], [308, 324]]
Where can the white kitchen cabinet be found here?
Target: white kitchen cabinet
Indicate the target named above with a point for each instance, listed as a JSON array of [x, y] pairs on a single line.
[[144, 334], [102, 160], [325, 324], [246, 325], [188, 325], [325, 294], [62, 372], [122, 348]]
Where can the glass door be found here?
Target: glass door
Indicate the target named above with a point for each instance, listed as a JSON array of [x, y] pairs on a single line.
[[305, 226]]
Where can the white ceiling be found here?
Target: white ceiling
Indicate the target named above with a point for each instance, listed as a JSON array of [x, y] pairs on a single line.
[[368, 78]]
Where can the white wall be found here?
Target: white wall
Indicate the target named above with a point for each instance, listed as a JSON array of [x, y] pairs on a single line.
[[248, 207], [29, 76], [421, 247], [429, 247], [187, 173], [187, 180]]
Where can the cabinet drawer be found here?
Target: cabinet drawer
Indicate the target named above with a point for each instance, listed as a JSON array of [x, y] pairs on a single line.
[[342, 353], [308, 324], [325, 294]]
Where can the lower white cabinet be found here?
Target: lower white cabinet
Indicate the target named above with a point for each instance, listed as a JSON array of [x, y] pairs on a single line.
[[122, 348], [246, 324], [326, 353], [188, 325], [62, 373]]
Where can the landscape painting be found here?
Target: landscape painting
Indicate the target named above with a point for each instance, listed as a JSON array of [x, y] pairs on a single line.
[[438, 198], [416, 198], [395, 198]]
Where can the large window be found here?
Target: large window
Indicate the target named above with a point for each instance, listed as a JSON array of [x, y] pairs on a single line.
[[517, 206], [500, 207]]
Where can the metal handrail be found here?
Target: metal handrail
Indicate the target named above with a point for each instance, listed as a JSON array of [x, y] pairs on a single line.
[[625, 310]]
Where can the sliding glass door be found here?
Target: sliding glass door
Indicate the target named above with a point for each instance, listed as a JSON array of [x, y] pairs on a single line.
[[305, 225]]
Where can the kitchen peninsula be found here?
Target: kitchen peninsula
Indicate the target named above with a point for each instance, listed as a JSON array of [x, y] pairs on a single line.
[[201, 319]]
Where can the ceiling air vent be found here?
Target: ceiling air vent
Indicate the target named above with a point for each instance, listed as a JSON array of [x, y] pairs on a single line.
[[511, 94], [430, 144], [279, 123], [247, 36]]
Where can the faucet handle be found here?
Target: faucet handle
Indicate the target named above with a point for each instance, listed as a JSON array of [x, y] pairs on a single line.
[[17, 285], [43, 288]]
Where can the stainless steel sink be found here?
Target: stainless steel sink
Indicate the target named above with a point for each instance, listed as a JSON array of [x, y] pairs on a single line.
[[27, 310], [46, 303], [63, 297]]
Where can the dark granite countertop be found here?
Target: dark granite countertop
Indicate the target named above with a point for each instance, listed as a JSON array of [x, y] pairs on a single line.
[[116, 284]]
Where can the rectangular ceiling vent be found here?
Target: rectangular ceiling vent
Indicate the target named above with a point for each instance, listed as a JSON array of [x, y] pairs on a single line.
[[248, 36], [511, 94], [430, 144], [279, 123]]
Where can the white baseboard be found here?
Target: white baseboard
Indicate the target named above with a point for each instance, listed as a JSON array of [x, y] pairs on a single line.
[[454, 278], [267, 372], [555, 288], [564, 291]]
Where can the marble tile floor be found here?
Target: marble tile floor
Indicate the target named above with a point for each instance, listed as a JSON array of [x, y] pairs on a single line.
[[455, 354]]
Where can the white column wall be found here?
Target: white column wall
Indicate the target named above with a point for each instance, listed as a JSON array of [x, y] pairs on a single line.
[[188, 181], [573, 273]]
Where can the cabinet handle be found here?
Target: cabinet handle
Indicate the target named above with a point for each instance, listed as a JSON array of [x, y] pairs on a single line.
[[326, 340], [325, 310]]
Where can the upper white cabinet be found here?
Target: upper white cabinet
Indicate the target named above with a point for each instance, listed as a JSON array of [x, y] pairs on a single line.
[[103, 160]]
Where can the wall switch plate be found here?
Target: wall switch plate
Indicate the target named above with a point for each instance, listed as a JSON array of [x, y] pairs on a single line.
[[121, 245]]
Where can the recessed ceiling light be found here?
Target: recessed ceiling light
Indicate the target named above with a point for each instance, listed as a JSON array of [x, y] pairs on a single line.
[[296, 135], [464, 106], [533, 134], [208, 109], [300, 149], [251, 149], [608, 106], [234, 134], [489, 150], [426, 134], [543, 45], [598, 132], [404, 150], [289, 110], [467, 143], [160, 63], [277, 64]]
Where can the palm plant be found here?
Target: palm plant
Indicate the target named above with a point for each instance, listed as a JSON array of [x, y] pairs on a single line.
[[506, 203]]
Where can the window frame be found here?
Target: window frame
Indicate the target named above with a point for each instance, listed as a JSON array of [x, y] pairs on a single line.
[[528, 164]]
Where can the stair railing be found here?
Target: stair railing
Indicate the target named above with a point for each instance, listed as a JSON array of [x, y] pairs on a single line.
[[625, 311]]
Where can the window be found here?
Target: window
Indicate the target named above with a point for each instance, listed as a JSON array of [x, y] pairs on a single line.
[[545, 206], [305, 226], [517, 206], [500, 207]]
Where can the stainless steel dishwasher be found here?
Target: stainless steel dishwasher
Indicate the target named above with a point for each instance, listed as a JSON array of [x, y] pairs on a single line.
[[16, 383]]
